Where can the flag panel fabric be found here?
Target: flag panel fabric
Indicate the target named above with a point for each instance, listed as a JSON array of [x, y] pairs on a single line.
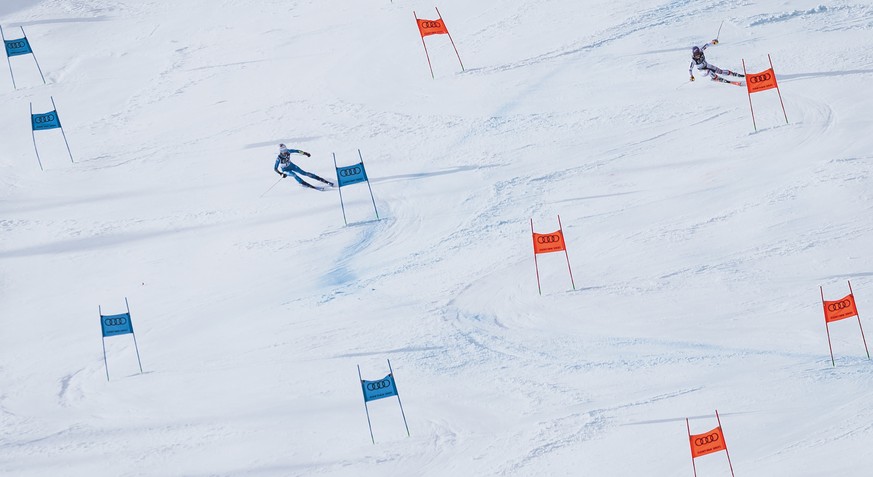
[[379, 389], [114, 325], [18, 47], [49, 120]]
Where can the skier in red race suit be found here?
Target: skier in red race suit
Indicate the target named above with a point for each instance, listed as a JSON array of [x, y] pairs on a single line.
[[698, 59]]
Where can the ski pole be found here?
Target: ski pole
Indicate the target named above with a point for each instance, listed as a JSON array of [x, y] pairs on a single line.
[[719, 30], [271, 187]]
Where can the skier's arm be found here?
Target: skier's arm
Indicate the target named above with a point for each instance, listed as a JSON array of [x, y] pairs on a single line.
[[276, 167], [691, 70], [713, 42], [298, 151]]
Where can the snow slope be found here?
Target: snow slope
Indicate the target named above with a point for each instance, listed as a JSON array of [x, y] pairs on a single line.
[[697, 244]]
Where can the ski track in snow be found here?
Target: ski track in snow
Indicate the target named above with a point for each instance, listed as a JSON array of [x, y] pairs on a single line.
[[839, 17], [696, 243]]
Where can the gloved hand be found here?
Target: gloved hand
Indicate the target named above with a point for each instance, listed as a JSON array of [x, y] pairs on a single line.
[[715, 42], [284, 175], [692, 78], [307, 154]]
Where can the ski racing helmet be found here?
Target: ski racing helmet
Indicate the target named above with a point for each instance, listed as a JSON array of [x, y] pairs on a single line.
[[696, 53]]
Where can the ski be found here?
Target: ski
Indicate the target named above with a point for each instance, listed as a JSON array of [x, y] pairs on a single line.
[[723, 80]]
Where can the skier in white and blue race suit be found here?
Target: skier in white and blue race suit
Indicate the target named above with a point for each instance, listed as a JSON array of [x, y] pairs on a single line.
[[698, 59], [284, 167]]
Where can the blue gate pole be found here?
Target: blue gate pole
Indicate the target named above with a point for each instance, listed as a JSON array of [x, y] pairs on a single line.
[[398, 397], [34, 57], [62, 131], [339, 187], [134, 335], [8, 62], [103, 340], [368, 186], [365, 405], [33, 135]]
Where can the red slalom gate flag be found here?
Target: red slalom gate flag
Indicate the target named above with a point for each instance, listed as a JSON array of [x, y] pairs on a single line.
[[840, 309], [435, 27], [763, 81], [707, 443], [836, 310], [757, 82], [432, 27], [547, 243]]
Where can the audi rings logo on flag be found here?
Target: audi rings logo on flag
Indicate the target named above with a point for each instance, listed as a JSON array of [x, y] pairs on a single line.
[[353, 171], [48, 118], [376, 385], [840, 305], [115, 321], [551, 238], [14, 45], [760, 78], [431, 24], [706, 439]]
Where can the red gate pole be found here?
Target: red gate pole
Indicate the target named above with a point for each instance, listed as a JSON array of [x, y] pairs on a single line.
[[425, 47], [745, 73], [859, 319], [536, 266], [777, 89], [725, 444], [824, 309], [693, 465], [561, 228], [440, 15]]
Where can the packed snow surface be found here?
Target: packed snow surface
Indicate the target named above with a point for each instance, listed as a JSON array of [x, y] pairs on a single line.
[[697, 244]]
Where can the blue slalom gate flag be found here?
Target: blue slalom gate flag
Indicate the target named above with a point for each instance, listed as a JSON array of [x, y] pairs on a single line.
[[114, 325], [351, 174], [380, 389], [354, 174], [49, 120], [17, 47]]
